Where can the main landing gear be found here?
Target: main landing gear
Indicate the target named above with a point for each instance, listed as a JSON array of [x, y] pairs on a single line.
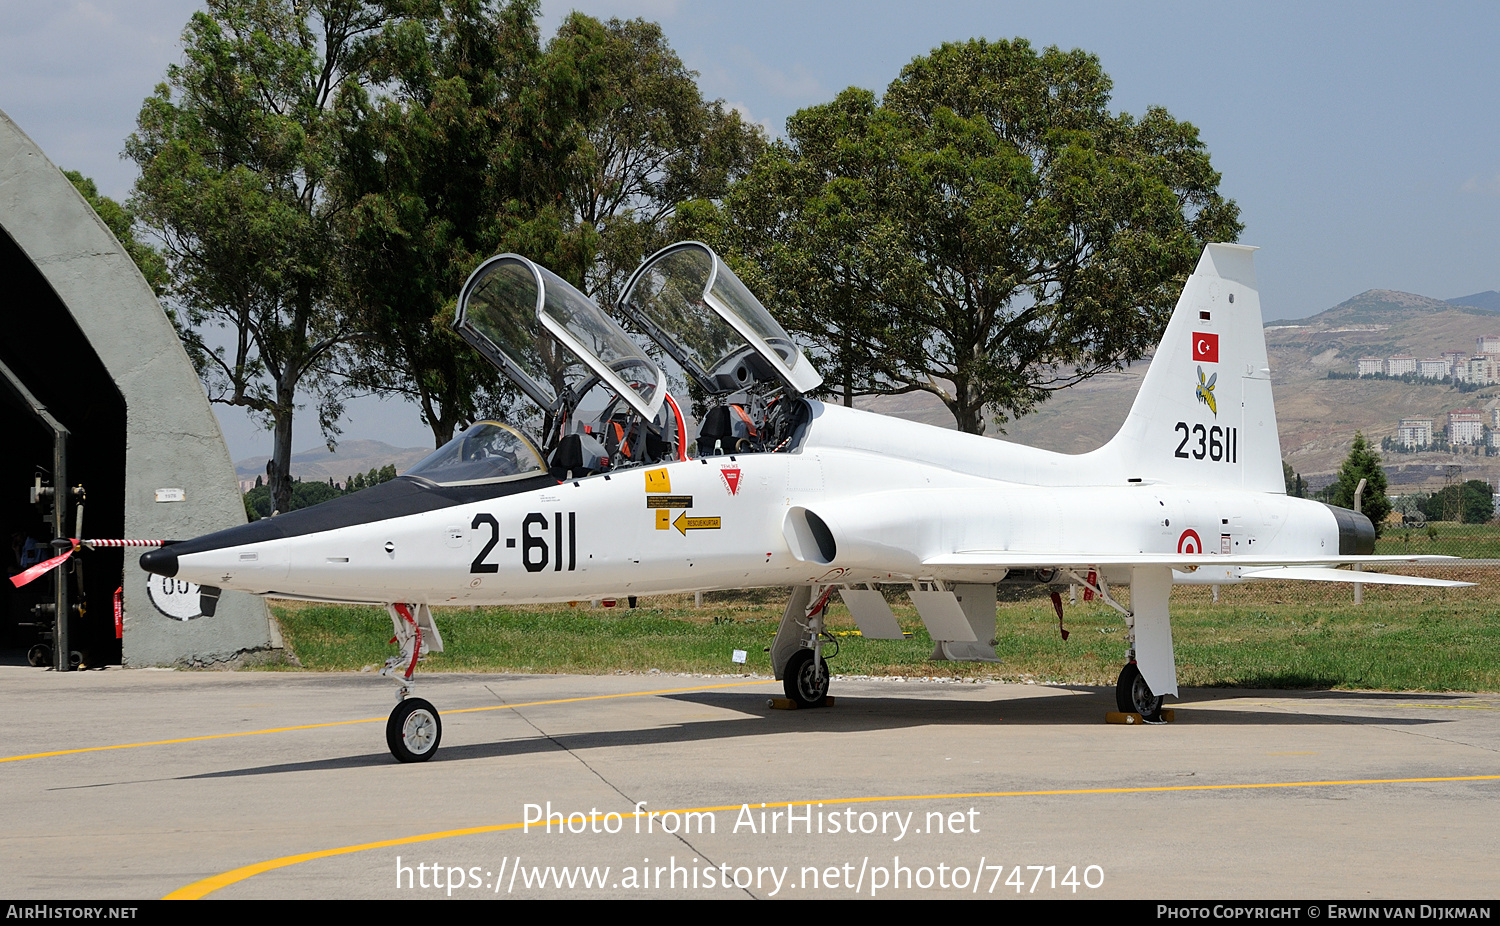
[[414, 729], [1133, 695], [800, 641], [806, 680]]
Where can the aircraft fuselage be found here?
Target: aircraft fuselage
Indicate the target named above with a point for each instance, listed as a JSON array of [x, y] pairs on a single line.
[[740, 521]]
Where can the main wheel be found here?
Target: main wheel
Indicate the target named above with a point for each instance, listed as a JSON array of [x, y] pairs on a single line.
[[414, 731], [1133, 695], [39, 655], [806, 681]]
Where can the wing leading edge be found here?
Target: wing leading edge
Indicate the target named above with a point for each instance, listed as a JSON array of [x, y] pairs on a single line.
[[1295, 568]]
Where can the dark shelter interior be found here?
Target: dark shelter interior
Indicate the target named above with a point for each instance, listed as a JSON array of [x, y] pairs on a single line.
[[51, 364]]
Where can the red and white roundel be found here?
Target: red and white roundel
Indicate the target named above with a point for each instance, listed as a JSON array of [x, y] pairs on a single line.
[[1189, 542]]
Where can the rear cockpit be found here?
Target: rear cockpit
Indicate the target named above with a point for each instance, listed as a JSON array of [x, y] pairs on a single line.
[[603, 399]]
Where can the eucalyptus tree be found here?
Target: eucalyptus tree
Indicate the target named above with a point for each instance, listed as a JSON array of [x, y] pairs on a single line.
[[235, 151], [989, 231], [457, 148], [651, 143]]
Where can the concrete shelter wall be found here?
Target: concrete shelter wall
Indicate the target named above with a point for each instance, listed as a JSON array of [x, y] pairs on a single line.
[[172, 437]]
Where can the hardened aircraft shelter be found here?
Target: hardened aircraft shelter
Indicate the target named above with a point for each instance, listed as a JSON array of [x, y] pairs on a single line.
[[96, 392]]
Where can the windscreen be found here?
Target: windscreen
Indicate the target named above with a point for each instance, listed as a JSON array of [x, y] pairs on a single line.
[[488, 451]]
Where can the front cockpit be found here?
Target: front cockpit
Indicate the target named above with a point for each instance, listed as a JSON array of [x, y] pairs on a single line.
[[602, 397], [485, 452]]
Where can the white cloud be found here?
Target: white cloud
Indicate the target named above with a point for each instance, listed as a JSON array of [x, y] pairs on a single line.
[[1481, 185], [797, 83], [771, 131]]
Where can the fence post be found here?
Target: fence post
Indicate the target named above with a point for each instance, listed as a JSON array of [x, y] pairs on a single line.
[[1359, 589]]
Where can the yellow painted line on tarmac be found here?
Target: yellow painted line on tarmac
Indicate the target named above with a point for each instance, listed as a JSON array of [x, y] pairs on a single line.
[[200, 889], [345, 723]]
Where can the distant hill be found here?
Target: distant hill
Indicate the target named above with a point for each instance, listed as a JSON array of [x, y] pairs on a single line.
[[1489, 299], [1376, 307], [1317, 416], [352, 456]]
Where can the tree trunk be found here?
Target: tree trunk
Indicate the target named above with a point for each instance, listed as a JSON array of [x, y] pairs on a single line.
[[967, 409], [442, 426], [279, 469]]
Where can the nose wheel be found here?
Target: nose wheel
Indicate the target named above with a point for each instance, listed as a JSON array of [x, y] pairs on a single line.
[[1133, 695], [414, 731]]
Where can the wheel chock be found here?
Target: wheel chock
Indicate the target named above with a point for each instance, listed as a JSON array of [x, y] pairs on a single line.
[[1167, 716], [787, 704]]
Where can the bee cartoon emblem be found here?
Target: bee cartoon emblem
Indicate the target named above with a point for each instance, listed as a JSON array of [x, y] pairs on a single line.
[[1206, 391]]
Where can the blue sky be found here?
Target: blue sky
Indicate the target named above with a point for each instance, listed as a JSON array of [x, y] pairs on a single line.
[[1361, 140]]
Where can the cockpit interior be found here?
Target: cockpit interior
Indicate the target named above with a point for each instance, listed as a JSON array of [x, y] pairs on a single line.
[[602, 396]]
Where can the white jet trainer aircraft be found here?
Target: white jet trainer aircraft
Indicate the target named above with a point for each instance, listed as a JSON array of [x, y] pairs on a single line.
[[784, 490]]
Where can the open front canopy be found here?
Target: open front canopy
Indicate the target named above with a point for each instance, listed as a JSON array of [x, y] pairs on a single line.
[[687, 299], [550, 338]]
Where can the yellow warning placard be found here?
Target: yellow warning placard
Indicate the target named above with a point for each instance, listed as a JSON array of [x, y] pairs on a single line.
[[669, 501], [657, 480], [685, 524]]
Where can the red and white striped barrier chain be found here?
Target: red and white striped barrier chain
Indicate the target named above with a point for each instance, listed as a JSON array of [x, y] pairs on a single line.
[[46, 566]]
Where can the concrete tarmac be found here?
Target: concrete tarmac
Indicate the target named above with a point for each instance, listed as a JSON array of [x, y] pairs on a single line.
[[279, 785]]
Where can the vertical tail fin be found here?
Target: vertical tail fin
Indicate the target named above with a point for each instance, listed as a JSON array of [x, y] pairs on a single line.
[[1204, 415]]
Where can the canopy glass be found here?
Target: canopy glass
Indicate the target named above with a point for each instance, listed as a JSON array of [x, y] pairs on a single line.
[[508, 307], [686, 298], [488, 451]]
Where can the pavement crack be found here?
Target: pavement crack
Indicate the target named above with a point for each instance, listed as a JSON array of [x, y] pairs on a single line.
[[600, 775]]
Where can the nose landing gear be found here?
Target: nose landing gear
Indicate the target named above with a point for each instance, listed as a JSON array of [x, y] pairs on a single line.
[[414, 730]]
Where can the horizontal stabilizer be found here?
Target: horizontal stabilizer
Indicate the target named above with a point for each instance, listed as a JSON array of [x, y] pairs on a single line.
[[1317, 574]]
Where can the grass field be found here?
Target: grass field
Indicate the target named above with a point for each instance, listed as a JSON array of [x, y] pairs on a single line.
[[1473, 541], [1273, 635]]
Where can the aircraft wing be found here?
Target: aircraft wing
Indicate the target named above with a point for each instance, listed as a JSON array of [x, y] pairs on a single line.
[[1325, 574], [1298, 568], [1024, 560]]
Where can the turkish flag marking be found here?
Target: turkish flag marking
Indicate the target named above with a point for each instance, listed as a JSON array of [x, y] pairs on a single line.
[[1206, 347], [731, 479]]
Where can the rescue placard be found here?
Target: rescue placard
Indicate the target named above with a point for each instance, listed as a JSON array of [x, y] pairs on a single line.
[[685, 524]]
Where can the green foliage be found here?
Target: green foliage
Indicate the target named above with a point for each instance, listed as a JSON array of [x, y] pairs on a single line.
[[651, 143], [306, 494], [234, 150], [1296, 486], [989, 231], [1363, 463], [480, 140], [121, 223], [461, 154], [1473, 502]]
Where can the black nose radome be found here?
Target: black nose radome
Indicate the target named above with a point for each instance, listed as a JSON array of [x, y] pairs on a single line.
[[163, 562]]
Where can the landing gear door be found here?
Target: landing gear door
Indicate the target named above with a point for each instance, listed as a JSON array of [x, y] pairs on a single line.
[[550, 339], [698, 311]]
